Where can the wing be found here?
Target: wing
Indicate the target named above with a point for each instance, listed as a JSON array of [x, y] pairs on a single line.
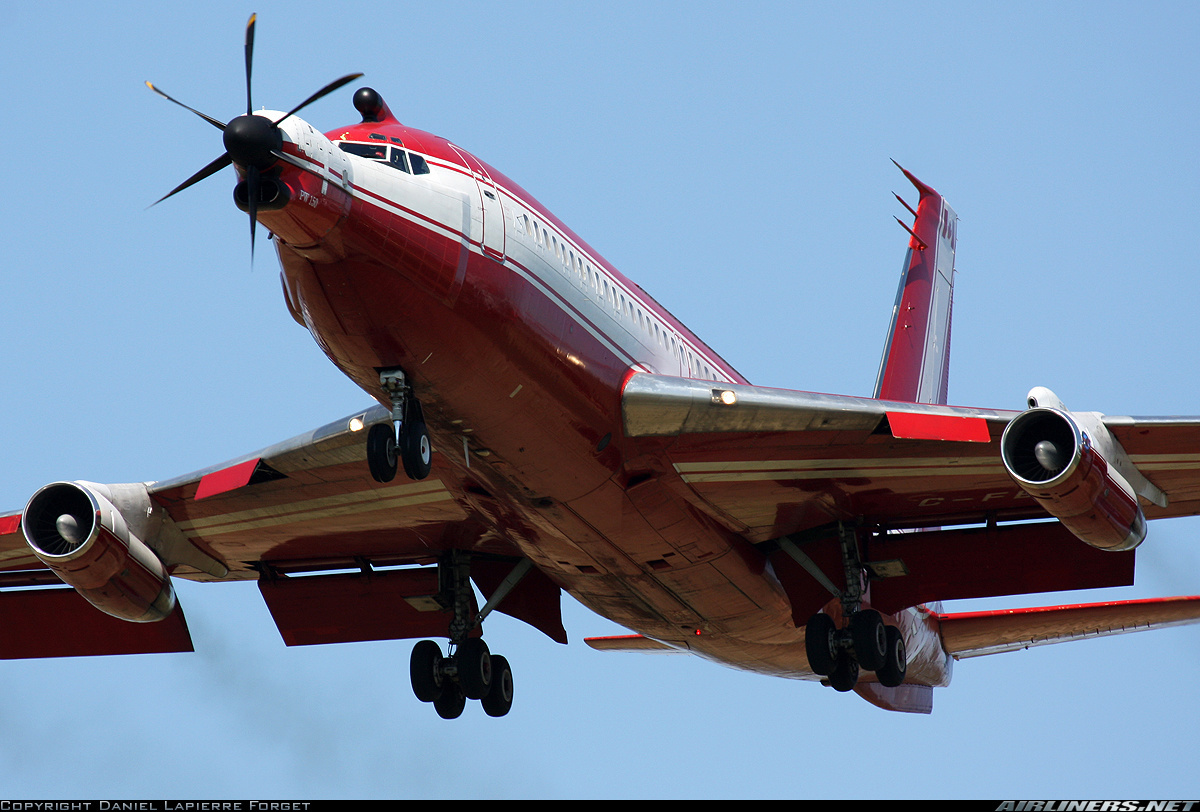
[[338, 556], [781, 465]]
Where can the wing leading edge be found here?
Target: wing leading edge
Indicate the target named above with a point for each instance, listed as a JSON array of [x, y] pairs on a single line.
[[338, 557]]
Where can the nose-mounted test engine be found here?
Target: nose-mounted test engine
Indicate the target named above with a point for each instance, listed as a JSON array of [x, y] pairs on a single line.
[[287, 169]]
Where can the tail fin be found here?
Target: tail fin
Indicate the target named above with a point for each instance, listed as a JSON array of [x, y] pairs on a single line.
[[916, 358]]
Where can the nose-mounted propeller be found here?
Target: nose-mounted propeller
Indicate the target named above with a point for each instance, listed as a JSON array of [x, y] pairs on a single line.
[[254, 143]]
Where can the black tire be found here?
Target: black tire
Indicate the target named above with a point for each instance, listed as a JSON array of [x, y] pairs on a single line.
[[451, 703], [474, 668], [869, 634], [845, 676], [896, 667], [424, 669], [381, 452], [416, 451], [819, 635], [500, 696]]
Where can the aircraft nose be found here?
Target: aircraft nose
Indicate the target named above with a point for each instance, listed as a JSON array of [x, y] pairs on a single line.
[[250, 140]]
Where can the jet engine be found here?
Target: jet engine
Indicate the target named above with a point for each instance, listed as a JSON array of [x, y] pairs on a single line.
[[1073, 466], [78, 532]]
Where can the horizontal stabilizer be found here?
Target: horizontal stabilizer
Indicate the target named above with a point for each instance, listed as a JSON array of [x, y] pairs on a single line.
[[973, 634], [630, 642]]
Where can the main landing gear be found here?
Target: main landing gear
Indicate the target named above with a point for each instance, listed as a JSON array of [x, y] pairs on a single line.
[[866, 642], [406, 439], [470, 671]]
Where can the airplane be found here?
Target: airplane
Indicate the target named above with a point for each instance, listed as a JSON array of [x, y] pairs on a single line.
[[586, 441]]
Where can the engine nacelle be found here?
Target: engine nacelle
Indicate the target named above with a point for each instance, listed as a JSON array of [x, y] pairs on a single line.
[[75, 530], [1058, 463]]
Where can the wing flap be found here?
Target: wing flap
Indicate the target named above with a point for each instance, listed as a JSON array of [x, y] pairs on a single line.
[[353, 607], [57, 622], [974, 634]]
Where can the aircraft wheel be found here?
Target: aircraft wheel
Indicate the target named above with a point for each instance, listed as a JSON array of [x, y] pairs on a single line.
[[819, 637], [381, 452], [424, 669], [416, 452], [499, 697], [450, 704], [845, 676], [894, 670], [474, 668], [869, 634]]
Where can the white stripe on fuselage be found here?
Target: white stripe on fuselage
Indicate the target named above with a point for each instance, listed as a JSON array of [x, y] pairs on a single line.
[[393, 191]]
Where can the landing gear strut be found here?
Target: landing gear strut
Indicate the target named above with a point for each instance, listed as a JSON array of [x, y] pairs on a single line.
[[865, 643], [471, 671], [406, 439]]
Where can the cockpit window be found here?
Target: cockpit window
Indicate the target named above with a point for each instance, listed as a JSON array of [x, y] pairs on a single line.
[[392, 155], [376, 152]]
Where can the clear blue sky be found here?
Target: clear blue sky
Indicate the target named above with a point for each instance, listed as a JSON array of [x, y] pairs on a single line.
[[733, 159]]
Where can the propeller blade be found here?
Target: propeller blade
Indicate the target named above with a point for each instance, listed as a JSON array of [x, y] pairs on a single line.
[[252, 187], [209, 119], [249, 59], [211, 169], [325, 91]]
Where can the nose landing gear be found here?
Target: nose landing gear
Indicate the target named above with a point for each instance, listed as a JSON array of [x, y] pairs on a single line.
[[406, 440]]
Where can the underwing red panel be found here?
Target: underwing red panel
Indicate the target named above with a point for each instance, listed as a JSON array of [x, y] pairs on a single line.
[[947, 565], [57, 622], [347, 608]]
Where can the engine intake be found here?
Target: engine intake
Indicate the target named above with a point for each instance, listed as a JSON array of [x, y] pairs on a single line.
[[1056, 462], [76, 531], [273, 195]]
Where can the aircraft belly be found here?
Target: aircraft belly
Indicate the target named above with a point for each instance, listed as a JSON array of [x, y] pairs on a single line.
[[519, 373], [699, 579]]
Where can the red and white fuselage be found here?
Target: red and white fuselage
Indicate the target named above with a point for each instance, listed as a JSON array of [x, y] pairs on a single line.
[[518, 337]]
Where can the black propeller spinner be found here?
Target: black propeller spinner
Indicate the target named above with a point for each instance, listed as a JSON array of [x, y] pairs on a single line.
[[252, 142]]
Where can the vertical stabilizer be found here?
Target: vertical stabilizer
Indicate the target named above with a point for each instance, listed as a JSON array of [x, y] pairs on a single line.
[[916, 358]]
